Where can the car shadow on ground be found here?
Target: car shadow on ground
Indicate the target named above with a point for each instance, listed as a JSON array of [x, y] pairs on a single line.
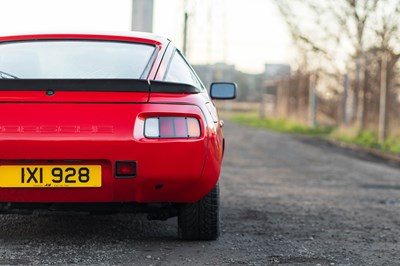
[[83, 226]]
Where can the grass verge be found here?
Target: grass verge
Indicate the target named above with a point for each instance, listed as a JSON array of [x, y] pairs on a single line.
[[366, 139], [279, 125]]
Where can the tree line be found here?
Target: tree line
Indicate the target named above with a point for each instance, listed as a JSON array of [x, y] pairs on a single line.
[[351, 50]]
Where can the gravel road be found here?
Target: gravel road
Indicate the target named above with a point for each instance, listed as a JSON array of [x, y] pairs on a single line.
[[286, 200]]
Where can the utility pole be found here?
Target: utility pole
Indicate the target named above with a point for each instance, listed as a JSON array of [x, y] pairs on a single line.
[[185, 32], [142, 15], [383, 99]]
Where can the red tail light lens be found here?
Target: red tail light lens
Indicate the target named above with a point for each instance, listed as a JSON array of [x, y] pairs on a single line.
[[125, 168], [167, 127], [172, 127], [180, 126]]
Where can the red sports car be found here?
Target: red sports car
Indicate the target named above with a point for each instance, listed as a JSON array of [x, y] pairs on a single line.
[[109, 123]]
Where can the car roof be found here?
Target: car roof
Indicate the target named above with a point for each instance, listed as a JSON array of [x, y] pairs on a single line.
[[134, 36]]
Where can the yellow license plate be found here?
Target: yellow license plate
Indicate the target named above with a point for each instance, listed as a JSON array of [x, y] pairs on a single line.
[[50, 176]]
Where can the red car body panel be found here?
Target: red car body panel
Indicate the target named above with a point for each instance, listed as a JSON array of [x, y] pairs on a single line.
[[100, 128]]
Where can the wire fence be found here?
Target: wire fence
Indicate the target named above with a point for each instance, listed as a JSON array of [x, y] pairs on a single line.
[[368, 101]]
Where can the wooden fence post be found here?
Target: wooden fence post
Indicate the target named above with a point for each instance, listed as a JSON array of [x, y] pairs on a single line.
[[312, 110], [383, 99]]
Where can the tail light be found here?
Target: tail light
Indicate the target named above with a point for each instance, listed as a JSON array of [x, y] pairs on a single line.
[[172, 127], [125, 168]]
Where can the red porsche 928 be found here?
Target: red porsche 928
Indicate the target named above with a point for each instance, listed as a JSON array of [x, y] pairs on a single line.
[[109, 123]]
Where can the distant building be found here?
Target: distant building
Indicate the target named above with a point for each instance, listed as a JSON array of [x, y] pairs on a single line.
[[142, 15], [215, 72], [249, 85], [273, 71]]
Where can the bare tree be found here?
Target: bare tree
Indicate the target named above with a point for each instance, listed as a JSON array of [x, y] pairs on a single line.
[[324, 31]]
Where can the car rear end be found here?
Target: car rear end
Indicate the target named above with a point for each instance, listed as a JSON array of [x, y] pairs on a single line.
[[83, 125]]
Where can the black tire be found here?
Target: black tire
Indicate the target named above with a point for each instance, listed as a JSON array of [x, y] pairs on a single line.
[[200, 220]]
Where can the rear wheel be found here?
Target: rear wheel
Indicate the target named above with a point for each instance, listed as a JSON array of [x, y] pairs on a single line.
[[200, 220]]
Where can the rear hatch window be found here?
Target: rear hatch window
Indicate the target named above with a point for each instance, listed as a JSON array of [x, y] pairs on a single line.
[[75, 59]]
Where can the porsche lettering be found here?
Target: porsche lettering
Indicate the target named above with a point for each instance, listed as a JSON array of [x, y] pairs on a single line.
[[56, 129]]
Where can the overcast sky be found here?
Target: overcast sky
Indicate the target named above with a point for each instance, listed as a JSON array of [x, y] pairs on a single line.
[[247, 33]]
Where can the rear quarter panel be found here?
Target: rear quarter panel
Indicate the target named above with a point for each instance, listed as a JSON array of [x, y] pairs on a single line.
[[215, 141]]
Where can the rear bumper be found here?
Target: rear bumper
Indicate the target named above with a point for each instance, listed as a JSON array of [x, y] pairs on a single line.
[[164, 170]]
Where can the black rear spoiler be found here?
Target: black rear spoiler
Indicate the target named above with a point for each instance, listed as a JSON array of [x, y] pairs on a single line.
[[99, 85]]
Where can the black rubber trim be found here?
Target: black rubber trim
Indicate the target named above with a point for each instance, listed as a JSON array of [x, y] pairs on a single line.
[[172, 87], [118, 85], [107, 85]]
